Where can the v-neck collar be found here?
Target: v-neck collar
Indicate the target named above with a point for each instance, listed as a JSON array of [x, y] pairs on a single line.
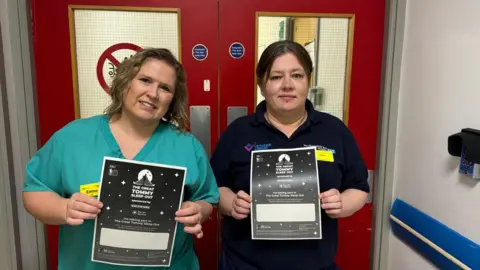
[[112, 142]]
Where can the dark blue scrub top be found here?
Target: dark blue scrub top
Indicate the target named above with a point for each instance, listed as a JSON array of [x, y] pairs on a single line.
[[231, 165]]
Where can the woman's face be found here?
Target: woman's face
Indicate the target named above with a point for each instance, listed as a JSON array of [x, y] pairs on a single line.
[[286, 87], [151, 91]]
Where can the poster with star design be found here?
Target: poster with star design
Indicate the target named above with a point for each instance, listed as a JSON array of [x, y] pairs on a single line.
[[137, 226], [285, 189]]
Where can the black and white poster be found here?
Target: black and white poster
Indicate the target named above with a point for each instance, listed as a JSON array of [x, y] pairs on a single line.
[[285, 194], [137, 226]]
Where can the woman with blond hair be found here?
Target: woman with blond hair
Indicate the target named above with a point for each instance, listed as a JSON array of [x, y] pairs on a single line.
[[147, 122]]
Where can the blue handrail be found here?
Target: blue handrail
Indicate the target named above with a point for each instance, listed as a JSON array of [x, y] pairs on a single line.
[[444, 247]]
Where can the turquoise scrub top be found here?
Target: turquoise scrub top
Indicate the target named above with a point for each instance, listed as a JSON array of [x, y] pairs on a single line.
[[73, 157]]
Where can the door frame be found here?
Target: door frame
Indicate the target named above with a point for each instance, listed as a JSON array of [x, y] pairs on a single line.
[[16, 25], [28, 246], [387, 132]]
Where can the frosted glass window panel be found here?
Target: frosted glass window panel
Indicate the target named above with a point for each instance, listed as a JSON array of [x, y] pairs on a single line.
[[98, 30]]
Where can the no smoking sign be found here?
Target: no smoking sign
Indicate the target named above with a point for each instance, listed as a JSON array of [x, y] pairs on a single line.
[[110, 59]]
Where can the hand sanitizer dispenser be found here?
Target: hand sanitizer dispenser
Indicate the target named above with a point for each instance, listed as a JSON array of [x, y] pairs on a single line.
[[466, 145]]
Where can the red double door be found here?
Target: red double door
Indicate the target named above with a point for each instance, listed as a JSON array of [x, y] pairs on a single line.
[[77, 43]]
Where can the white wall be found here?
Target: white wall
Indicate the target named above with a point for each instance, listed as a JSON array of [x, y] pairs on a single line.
[[439, 95]]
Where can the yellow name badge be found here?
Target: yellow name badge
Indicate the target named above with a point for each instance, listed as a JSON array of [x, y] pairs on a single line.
[[90, 189], [324, 155]]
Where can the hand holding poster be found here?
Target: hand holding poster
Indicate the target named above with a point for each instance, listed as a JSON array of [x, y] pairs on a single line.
[[285, 194], [137, 226]]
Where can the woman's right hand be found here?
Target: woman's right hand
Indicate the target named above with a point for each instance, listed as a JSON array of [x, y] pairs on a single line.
[[241, 205], [80, 207]]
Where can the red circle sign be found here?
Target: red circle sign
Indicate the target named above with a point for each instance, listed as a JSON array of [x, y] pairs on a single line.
[[108, 54]]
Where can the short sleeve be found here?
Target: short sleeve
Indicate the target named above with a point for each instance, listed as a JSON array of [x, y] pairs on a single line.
[[220, 159], [356, 173], [44, 170], [207, 189]]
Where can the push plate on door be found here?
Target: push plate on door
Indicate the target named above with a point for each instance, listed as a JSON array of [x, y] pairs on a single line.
[[234, 112], [200, 125]]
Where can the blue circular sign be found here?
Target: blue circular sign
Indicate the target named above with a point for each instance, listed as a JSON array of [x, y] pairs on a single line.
[[200, 52], [237, 50]]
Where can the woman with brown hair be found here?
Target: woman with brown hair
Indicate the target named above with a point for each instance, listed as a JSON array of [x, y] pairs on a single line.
[[147, 122], [286, 119]]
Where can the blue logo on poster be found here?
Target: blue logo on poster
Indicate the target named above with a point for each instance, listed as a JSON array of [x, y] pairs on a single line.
[[237, 50], [200, 52]]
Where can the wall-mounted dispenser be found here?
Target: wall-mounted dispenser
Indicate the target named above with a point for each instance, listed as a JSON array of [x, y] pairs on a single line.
[[466, 145]]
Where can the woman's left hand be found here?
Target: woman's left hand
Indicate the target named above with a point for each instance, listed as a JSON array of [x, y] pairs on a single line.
[[190, 215], [331, 202]]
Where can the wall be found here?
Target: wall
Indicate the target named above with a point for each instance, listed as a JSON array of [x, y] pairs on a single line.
[[439, 95]]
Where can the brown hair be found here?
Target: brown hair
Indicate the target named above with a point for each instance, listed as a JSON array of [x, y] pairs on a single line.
[[277, 49], [128, 69]]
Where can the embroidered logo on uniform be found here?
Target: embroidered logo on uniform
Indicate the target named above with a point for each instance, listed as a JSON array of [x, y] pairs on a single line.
[[251, 146], [263, 146]]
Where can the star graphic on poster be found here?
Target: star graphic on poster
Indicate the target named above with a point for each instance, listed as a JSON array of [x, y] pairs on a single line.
[[108, 208], [309, 164], [268, 165], [123, 182], [174, 190], [161, 213], [120, 211], [163, 198], [259, 185], [308, 153], [176, 175], [164, 261], [109, 182], [315, 233], [161, 174]]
